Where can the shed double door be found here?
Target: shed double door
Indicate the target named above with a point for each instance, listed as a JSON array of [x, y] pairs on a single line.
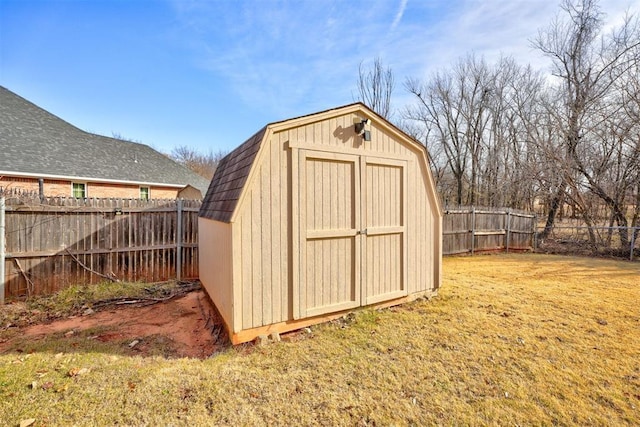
[[352, 243]]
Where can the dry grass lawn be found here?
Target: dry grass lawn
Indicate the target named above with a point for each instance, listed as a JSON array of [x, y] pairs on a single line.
[[510, 340]]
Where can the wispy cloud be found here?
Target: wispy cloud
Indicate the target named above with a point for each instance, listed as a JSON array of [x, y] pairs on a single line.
[[290, 57], [282, 56], [398, 18]]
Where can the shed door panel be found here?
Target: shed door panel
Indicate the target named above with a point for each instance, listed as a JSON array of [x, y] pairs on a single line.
[[329, 192], [384, 248]]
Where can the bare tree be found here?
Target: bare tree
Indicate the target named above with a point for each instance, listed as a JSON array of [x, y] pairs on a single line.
[[511, 168], [475, 118], [587, 64], [203, 164], [375, 87], [501, 134], [437, 110]]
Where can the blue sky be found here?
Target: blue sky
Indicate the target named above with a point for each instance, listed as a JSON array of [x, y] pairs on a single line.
[[208, 74]]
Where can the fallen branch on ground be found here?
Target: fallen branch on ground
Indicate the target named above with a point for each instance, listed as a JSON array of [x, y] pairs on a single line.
[[182, 289]]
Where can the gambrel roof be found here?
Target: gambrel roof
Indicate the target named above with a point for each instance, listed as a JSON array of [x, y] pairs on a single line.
[[34, 142], [233, 170], [229, 179]]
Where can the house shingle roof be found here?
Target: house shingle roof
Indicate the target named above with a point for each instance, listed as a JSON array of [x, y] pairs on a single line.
[[34, 141]]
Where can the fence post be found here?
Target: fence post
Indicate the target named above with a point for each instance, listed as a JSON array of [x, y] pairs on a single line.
[[508, 228], [2, 248], [633, 243], [535, 232], [473, 229], [179, 242]]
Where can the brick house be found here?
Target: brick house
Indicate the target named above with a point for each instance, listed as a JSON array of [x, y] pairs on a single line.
[[42, 153]]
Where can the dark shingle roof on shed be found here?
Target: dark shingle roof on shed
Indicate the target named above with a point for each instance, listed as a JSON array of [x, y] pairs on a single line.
[[34, 141], [229, 179]]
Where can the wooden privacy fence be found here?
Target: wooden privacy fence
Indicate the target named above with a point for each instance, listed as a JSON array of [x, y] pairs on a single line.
[[55, 242], [471, 229]]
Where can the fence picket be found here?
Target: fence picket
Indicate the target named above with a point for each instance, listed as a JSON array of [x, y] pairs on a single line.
[[125, 238], [158, 239], [473, 229]]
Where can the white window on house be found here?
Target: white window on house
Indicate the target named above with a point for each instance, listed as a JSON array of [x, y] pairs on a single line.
[[79, 190], [144, 193]]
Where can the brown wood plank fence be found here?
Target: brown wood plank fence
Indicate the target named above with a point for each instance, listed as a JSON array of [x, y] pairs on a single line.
[[471, 230], [54, 242]]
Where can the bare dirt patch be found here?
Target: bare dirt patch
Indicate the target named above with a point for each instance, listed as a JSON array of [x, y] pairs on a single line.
[[186, 326]]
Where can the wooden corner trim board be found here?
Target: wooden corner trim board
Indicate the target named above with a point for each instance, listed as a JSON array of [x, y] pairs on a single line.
[[291, 325]]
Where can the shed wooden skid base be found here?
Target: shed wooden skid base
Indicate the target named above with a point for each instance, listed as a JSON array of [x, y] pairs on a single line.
[[292, 325]]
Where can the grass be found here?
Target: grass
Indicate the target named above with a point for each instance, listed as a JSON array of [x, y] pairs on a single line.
[[511, 339]]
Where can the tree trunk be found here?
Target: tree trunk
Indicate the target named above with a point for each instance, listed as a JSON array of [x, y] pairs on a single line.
[[554, 206], [593, 241]]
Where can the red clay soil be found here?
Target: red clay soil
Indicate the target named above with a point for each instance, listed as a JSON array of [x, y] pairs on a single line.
[[189, 323]]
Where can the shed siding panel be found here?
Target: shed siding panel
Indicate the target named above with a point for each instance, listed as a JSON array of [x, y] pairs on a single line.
[[423, 233], [263, 219], [276, 215], [266, 241], [247, 265], [238, 244], [411, 242], [427, 239], [256, 254], [216, 272], [420, 237], [286, 307], [327, 132], [415, 211], [399, 199]]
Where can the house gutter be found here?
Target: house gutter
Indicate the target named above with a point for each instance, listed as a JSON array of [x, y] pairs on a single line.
[[87, 179]]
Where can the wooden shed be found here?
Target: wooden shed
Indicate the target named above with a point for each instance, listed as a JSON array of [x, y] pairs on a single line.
[[315, 216]]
